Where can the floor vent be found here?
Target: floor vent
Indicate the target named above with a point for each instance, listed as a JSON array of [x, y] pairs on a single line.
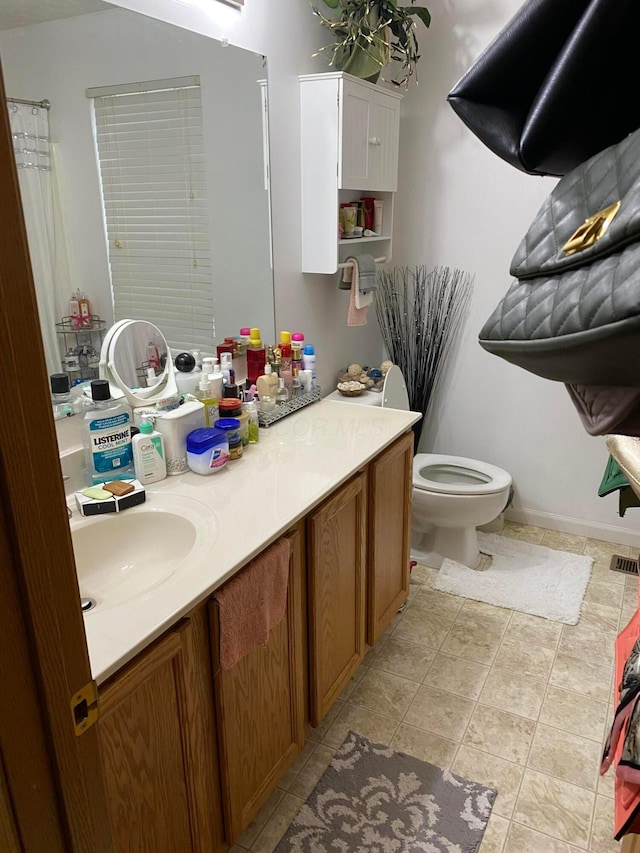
[[624, 564]]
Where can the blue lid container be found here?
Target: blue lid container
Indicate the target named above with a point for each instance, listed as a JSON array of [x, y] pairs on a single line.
[[231, 426], [201, 440]]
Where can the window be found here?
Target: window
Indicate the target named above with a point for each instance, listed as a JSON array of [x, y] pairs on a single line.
[[151, 155]]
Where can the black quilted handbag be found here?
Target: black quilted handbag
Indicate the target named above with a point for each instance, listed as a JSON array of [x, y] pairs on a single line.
[[573, 312], [557, 85]]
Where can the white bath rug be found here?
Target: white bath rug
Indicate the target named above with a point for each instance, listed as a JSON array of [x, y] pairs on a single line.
[[522, 576]]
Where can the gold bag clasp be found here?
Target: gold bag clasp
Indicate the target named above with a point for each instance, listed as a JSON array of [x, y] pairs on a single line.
[[591, 230]]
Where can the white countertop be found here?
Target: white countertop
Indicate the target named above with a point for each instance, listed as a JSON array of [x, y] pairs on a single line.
[[298, 462]]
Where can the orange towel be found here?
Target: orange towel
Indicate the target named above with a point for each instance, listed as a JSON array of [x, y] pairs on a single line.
[[253, 603]]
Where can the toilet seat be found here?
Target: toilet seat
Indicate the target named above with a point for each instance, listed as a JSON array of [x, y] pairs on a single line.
[[457, 475]]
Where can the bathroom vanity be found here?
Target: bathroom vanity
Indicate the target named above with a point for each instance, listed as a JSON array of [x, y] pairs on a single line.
[[192, 751]]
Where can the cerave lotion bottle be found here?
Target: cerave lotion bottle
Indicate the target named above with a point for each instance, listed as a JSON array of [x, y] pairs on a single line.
[[148, 455]]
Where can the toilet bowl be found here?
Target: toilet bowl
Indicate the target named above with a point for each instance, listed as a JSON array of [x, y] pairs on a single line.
[[452, 496]]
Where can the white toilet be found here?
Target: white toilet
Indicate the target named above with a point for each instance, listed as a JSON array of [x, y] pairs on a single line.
[[452, 495]]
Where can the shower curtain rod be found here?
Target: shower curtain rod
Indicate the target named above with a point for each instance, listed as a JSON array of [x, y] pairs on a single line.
[[44, 104]]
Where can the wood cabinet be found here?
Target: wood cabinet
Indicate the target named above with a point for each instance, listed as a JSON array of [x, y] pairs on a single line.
[[349, 145], [158, 742], [389, 535], [336, 575], [260, 706]]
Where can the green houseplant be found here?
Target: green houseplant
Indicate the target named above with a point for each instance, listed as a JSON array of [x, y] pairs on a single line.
[[369, 34]]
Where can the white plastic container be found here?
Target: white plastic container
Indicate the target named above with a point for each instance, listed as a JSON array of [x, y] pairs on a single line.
[[148, 455], [207, 450]]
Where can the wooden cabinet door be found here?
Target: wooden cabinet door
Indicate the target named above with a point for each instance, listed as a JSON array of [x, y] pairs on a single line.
[[260, 707], [336, 578], [390, 491], [158, 741]]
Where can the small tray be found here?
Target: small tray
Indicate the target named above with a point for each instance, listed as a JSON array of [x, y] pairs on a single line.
[[266, 419]]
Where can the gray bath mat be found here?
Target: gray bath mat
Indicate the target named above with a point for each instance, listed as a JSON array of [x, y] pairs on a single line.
[[372, 799]]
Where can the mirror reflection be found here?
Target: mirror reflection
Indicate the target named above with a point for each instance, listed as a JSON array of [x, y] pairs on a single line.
[[145, 184]]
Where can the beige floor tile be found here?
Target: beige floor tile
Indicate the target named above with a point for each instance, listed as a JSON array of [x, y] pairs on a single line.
[[602, 840], [440, 713], [566, 756], [610, 594], [442, 603], [517, 694], [310, 774], [424, 574], [457, 675], [298, 763], [599, 617], [405, 659], [354, 681], [555, 808], [351, 718], [425, 629], [237, 849], [424, 745], [534, 630], [499, 733], [524, 840], [259, 822], [384, 693], [495, 835], [601, 550], [319, 732], [414, 589], [277, 824], [606, 783], [527, 660], [577, 714], [564, 541], [471, 643], [503, 776], [585, 642], [526, 532], [582, 676], [601, 572], [483, 616], [373, 652]]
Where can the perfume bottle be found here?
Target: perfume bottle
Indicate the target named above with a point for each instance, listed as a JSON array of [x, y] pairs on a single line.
[[282, 395]]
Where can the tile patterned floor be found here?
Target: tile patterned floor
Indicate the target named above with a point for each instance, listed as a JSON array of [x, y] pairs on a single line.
[[506, 699]]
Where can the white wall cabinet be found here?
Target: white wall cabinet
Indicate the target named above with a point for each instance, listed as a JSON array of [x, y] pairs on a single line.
[[349, 140]]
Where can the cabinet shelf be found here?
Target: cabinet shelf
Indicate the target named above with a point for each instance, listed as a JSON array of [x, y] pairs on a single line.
[[350, 241]]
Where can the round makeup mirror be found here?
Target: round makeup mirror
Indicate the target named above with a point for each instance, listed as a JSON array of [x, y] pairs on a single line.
[[136, 360]]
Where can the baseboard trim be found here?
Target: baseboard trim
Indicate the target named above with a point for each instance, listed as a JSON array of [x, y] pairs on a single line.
[[565, 524]]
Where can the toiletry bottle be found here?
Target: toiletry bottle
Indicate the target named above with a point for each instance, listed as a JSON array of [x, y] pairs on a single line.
[[148, 455], [84, 306], [107, 436], [251, 410], [285, 355], [296, 385], [282, 395], [226, 367], [208, 364], [309, 362], [267, 384], [208, 399], [296, 360], [74, 310], [276, 364], [153, 355], [60, 395], [297, 338], [255, 356], [186, 378]]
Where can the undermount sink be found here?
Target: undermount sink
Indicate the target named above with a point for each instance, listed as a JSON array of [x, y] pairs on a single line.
[[125, 555]]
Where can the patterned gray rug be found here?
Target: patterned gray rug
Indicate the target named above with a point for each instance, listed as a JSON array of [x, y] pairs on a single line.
[[374, 800]]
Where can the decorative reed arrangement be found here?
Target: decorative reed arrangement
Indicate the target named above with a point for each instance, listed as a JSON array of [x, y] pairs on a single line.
[[419, 313]]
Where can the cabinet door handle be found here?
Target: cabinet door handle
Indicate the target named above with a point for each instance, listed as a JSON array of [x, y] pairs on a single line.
[[375, 140]]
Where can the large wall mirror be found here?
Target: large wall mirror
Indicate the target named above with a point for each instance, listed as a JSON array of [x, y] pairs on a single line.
[[95, 64]]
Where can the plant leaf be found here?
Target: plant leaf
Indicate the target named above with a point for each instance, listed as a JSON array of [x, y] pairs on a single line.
[[421, 11]]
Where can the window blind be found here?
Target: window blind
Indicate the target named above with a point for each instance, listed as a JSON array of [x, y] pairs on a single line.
[[151, 156]]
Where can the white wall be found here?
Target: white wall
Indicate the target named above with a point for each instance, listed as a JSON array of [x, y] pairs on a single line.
[[288, 34], [460, 205]]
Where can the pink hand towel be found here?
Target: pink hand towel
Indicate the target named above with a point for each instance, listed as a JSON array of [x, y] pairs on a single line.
[[358, 302], [253, 603]]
